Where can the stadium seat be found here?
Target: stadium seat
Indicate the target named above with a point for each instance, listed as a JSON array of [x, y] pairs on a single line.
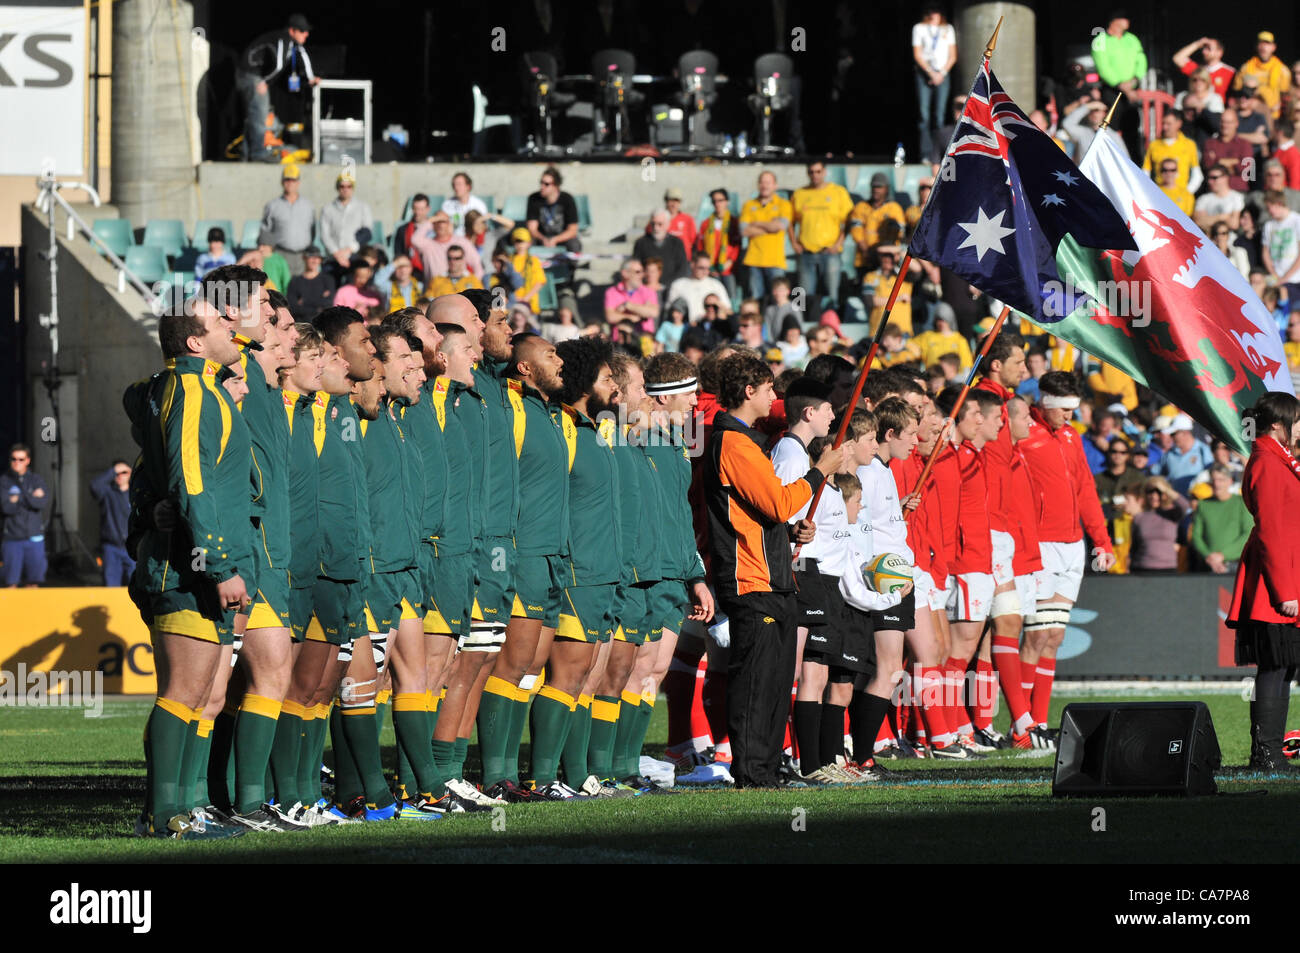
[[837, 174], [516, 208], [200, 239], [116, 234], [584, 212], [248, 237], [186, 260], [491, 203], [377, 233], [546, 297], [147, 262], [167, 234], [908, 181]]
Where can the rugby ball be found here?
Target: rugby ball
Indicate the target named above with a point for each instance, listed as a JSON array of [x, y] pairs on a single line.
[[1291, 744], [886, 573]]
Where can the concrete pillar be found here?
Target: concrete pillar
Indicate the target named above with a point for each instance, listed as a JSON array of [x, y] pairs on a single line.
[[1012, 62], [154, 173]]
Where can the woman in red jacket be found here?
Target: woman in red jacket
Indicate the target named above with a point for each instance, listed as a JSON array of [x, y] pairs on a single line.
[[1266, 600]]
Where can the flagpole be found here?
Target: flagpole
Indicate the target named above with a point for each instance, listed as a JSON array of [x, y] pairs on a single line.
[[951, 419], [880, 332]]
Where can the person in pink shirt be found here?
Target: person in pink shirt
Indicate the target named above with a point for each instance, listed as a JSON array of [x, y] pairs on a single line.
[[630, 300], [431, 244], [358, 293]]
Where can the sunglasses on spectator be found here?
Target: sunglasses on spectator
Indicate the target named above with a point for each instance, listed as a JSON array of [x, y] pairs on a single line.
[[710, 307], [1169, 168], [547, 182], [1120, 450], [1216, 175]]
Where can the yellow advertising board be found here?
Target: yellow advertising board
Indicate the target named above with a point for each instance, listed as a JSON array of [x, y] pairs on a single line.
[[77, 630]]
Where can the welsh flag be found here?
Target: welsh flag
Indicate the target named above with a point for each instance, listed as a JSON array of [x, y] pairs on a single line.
[[1175, 315]]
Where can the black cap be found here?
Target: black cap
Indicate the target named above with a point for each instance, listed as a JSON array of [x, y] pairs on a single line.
[[299, 22]]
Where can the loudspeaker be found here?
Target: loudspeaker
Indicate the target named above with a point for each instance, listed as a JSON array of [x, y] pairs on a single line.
[[1109, 750]]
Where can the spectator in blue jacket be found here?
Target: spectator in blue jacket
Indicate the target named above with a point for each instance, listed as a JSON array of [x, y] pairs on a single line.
[[112, 491], [1186, 459], [25, 503]]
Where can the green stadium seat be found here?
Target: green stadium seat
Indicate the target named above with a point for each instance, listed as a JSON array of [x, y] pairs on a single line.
[[248, 237], [490, 202], [116, 234], [547, 299], [377, 233], [516, 208], [837, 174], [910, 180], [201, 227], [147, 262], [165, 233], [584, 212]]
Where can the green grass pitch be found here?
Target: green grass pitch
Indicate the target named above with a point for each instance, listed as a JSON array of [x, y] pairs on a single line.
[[71, 786]]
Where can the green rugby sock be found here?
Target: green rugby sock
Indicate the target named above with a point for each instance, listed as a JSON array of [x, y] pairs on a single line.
[[221, 759], [458, 758], [284, 754], [575, 745], [411, 723], [165, 737], [604, 726], [495, 714], [551, 717], [628, 716], [444, 753], [518, 720], [363, 741], [202, 749], [347, 781], [254, 738]]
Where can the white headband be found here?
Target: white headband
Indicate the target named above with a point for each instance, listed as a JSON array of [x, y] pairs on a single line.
[[1052, 402], [667, 388]]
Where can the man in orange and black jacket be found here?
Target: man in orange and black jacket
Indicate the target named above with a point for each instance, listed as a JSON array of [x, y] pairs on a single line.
[[748, 509]]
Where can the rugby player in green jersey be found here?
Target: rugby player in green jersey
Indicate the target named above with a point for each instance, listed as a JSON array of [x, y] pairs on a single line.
[[595, 557], [189, 578], [542, 543]]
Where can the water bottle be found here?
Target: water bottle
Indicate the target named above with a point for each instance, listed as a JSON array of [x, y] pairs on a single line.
[[727, 146], [900, 156], [742, 147]]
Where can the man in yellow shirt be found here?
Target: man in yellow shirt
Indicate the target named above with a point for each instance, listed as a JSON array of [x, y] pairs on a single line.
[[817, 231], [879, 284], [944, 339], [1274, 77], [764, 221], [868, 215], [1110, 382], [1169, 185], [522, 274], [1174, 145], [458, 277]]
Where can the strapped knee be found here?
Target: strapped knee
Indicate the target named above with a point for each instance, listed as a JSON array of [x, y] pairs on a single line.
[[1005, 603], [1048, 615]]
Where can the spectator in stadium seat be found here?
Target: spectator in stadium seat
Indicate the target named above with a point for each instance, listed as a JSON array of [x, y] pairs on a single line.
[[1173, 144], [462, 202], [657, 243], [693, 288], [488, 232], [1231, 151], [818, 229], [866, 218], [1253, 122], [1035, 368], [290, 220], [342, 219], [1280, 248], [313, 291], [679, 223], [1202, 109], [265, 258], [434, 242], [529, 269], [1221, 234], [1220, 526], [877, 286], [552, 215], [1117, 477], [1220, 203], [457, 278], [359, 293], [1185, 458], [1270, 74], [404, 289], [821, 340], [1082, 126], [1285, 152], [1097, 439], [1211, 50], [112, 491], [943, 339], [749, 326], [668, 337], [629, 299], [216, 255], [791, 343], [719, 237], [406, 231], [565, 327], [654, 276], [782, 307], [763, 222], [1155, 526]]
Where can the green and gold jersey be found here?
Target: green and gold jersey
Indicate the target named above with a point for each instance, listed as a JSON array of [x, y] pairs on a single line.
[[393, 478], [264, 414], [505, 418], [461, 412], [543, 528], [426, 431], [344, 510], [678, 558], [595, 533], [305, 416]]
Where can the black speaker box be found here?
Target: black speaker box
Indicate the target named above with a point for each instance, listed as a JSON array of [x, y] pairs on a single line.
[[1108, 750]]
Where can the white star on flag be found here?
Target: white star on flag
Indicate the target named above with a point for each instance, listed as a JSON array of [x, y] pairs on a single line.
[[1053, 199], [985, 233], [1069, 178]]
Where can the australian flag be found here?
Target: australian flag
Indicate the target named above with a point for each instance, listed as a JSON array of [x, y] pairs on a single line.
[[1005, 197]]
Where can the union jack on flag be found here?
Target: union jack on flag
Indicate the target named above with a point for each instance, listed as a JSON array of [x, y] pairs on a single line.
[[1006, 195]]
